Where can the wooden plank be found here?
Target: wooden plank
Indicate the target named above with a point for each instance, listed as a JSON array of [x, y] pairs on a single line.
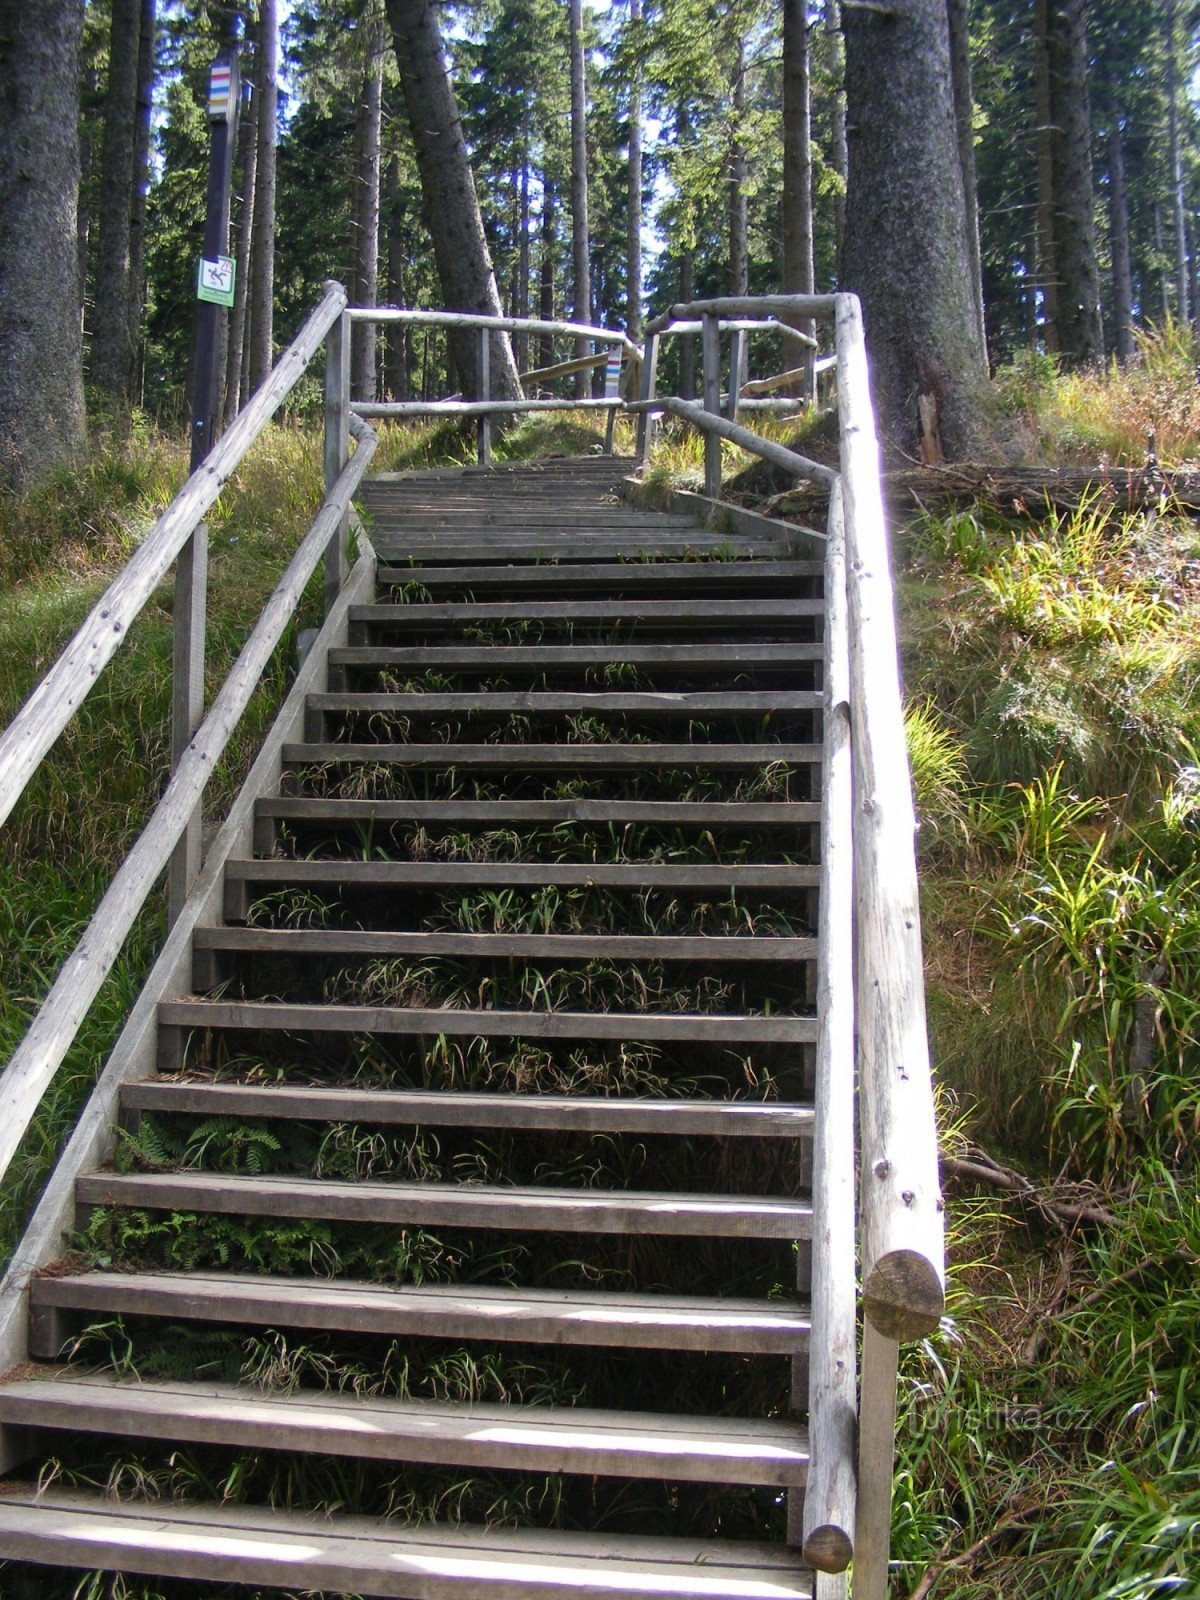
[[576, 757], [903, 1233], [61, 692], [715, 427], [754, 1119], [437, 1311], [623, 574], [292, 1551], [53, 1029], [497, 658], [691, 613], [512, 1437], [570, 548], [876, 1457], [550, 1210], [294, 943], [596, 703], [650, 813], [702, 876], [711, 1028]]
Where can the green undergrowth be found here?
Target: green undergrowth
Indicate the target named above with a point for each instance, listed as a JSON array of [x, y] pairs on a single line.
[[60, 546]]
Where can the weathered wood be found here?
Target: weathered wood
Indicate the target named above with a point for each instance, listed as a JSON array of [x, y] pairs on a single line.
[[502, 658], [288, 1550], [439, 1108], [189, 614], [694, 611], [545, 757], [644, 1027], [455, 1205], [829, 1501], [710, 347], [439, 1311], [567, 369], [737, 352], [135, 1051], [477, 408], [469, 319], [483, 425], [61, 692], [754, 306], [647, 392], [711, 422], [623, 575], [876, 1456], [533, 1439], [52, 1031], [584, 547], [903, 1246], [539, 702], [337, 449]]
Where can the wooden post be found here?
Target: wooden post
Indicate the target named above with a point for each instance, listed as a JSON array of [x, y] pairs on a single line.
[[211, 316], [876, 1455], [710, 344], [736, 356], [337, 448], [485, 393], [187, 703], [645, 430]]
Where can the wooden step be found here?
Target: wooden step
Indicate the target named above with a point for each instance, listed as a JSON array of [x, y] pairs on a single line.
[[497, 658], [703, 877], [477, 1312], [343, 1555], [396, 546], [356, 943], [485, 1437], [719, 1028], [788, 814], [630, 576], [521, 758], [694, 614], [449, 1205], [758, 1119], [750, 704]]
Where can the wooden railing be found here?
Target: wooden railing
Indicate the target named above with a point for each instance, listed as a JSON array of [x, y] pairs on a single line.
[[200, 743]]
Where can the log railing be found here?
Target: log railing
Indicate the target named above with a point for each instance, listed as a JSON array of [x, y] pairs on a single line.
[[61, 692]]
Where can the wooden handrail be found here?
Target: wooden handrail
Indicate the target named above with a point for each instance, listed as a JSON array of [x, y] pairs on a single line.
[[62, 691], [53, 1030], [710, 422], [472, 319], [735, 306], [902, 1226]]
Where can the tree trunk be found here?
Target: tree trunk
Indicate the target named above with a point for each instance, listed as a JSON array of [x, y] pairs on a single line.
[[147, 73], [523, 248], [111, 356], [687, 342], [365, 339], [838, 159], [1047, 245], [546, 283], [239, 314], [581, 304], [906, 252], [448, 187], [1080, 333], [964, 114], [739, 254], [798, 269], [397, 353], [1182, 286], [633, 250], [262, 290], [1118, 225]]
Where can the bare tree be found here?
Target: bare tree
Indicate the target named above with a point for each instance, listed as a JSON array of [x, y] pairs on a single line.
[[366, 276], [581, 303]]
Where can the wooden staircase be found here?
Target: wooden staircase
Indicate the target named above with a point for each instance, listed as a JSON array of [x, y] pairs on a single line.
[[506, 1040]]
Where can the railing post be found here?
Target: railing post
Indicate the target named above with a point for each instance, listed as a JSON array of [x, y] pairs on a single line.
[[645, 427], [736, 356], [337, 448], [485, 393], [187, 702], [876, 1457], [710, 345]]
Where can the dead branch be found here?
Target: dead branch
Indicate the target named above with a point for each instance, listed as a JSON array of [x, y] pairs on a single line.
[[1065, 1213], [1016, 1518]]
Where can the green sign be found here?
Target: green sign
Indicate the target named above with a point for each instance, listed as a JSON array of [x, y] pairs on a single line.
[[214, 281]]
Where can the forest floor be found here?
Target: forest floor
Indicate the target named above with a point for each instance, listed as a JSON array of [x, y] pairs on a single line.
[[1050, 1430]]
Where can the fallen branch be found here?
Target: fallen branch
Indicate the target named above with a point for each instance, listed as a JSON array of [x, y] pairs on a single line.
[[1016, 1518], [1060, 1313], [1067, 1213]]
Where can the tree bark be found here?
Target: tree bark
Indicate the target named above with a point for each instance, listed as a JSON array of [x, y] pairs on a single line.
[[111, 355], [524, 267], [581, 304], [1047, 245], [798, 267], [1080, 333], [1183, 308], [964, 114], [838, 158], [239, 314], [41, 355], [448, 188], [398, 347], [365, 338], [147, 73], [739, 254], [262, 290], [1118, 227], [906, 253], [633, 252], [546, 283]]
